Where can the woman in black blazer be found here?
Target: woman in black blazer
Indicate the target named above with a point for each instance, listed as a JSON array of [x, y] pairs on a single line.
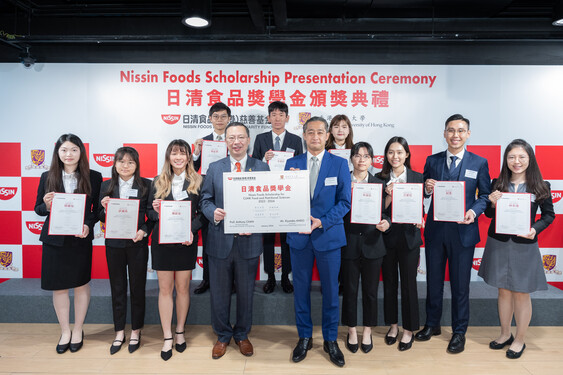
[[66, 261], [403, 243], [362, 256], [514, 264], [174, 262], [125, 255]]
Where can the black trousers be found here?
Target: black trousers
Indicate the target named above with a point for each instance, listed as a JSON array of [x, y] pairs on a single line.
[[269, 259], [401, 259], [120, 261], [351, 271]]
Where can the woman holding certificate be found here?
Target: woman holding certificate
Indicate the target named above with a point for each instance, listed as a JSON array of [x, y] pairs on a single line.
[[363, 254], [174, 238], [68, 196], [122, 208], [511, 260], [403, 242]]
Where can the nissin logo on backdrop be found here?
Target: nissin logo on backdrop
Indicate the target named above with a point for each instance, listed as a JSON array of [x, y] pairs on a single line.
[[556, 195], [170, 119], [7, 193], [34, 226], [378, 161], [104, 160]]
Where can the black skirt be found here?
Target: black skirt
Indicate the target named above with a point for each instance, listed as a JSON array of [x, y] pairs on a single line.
[[68, 266], [173, 257]]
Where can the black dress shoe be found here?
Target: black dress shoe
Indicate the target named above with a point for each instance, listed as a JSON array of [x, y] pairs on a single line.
[[499, 345], [180, 347], [351, 347], [287, 287], [202, 287], [390, 340], [300, 351], [76, 347], [457, 343], [367, 348], [133, 347], [270, 284], [406, 345], [115, 348], [334, 353], [166, 355], [427, 332], [515, 355], [61, 348]]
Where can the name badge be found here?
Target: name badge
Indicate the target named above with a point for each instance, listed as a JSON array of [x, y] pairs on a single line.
[[470, 174], [289, 149], [132, 193], [331, 181], [183, 195]]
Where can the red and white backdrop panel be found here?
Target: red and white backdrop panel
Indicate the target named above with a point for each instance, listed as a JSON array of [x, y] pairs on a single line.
[[146, 106]]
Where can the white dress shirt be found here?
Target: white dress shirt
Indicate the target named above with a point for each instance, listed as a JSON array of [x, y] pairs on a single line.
[[70, 182], [178, 186]]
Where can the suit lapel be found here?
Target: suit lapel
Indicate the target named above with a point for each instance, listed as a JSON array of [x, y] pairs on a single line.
[[250, 162], [442, 165], [269, 141], [463, 165], [323, 172]]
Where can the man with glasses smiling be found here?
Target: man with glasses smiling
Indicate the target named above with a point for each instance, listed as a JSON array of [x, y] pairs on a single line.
[[449, 241]]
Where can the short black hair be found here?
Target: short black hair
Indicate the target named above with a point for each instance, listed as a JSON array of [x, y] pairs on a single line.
[[278, 105], [356, 149], [219, 107], [315, 118], [456, 117], [233, 124]]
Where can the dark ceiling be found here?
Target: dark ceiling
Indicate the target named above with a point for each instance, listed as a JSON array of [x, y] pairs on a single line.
[[59, 23]]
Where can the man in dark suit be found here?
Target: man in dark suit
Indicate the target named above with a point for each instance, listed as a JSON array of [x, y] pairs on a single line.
[[278, 139], [330, 190], [449, 241], [230, 256], [220, 116]]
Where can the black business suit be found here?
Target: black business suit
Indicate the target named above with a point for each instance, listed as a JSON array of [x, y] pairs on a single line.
[[362, 256], [66, 261], [263, 143], [125, 255], [403, 243]]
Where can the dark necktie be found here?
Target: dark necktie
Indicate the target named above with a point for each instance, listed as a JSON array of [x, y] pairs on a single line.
[[452, 164], [277, 145]]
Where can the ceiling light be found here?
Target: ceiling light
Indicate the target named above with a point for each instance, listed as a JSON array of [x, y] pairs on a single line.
[[558, 14], [196, 13]]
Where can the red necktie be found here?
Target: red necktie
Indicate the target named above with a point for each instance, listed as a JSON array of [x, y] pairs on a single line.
[[237, 164]]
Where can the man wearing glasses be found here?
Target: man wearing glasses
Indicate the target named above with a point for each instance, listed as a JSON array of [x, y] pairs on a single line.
[[450, 241]]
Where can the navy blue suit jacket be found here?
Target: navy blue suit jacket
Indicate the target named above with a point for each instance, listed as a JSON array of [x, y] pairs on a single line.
[[264, 142], [478, 185]]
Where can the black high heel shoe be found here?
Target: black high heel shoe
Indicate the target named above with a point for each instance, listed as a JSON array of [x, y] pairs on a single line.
[[76, 347], [367, 348], [180, 347], [133, 347], [115, 348], [406, 345], [61, 348], [390, 340], [351, 347], [166, 355]]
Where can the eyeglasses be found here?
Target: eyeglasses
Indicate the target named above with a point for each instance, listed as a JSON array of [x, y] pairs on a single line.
[[365, 157], [220, 117], [240, 138], [452, 131]]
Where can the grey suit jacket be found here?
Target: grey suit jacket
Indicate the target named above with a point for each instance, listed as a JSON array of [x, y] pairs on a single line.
[[220, 244]]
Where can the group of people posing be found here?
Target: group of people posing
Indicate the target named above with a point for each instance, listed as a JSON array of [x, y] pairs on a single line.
[[345, 253]]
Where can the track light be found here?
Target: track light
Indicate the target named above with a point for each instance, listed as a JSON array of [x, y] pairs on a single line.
[[558, 14], [196, 13], [27, 59]]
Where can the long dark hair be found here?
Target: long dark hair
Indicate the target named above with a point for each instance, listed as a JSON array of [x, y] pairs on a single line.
[[534, 181], [349, 141], [55, 175], [114, 182], [386, 169]]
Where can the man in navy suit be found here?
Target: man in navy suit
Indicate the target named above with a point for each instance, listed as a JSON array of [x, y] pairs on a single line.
[[278, 139], [449, 241], [330, 190], [230, 256], [220, 116]]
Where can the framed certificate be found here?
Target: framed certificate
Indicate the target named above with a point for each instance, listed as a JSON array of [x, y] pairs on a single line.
[[366, 203], [407, 203], [513, 214], [122, 216], [277, 163], [449, 201], [175, 221], [267, 202], [212, 151], [67, 214]]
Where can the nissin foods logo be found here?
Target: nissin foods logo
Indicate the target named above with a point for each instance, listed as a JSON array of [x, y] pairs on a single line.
[[378, 161], [104, 160], [476, 263], [170, 119], [34, 226], [556, 195], [7, 193], [200, 261]]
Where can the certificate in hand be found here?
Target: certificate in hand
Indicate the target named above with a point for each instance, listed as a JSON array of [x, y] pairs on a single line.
[[449, 201], [277, 163], [407, 204], [122, 216], [342, 152], [513, 214], [267, 202], [67, 214], [175, 221], [366, 203], [212, 151]]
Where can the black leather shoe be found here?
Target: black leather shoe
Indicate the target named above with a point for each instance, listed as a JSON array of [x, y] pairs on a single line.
[[133, 347], [390, 340], [115, 348], [367, 348], [180, 347], [76, 347], [166, 355], [202, 287], [499, 345], [427, 332], [300, 351], [61, 348], [405, 345], [457, 343], [287, 287], [351, 347], [270, 284], [334, 353], [515, 355]]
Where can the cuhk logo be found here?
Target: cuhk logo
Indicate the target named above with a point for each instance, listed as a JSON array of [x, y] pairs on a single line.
[[34, 226], [37, 157], [200, 261], [556, 195], [378, 161], [476, 263], [7, 193], [104, 160], [5, 258], [170, 119]]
